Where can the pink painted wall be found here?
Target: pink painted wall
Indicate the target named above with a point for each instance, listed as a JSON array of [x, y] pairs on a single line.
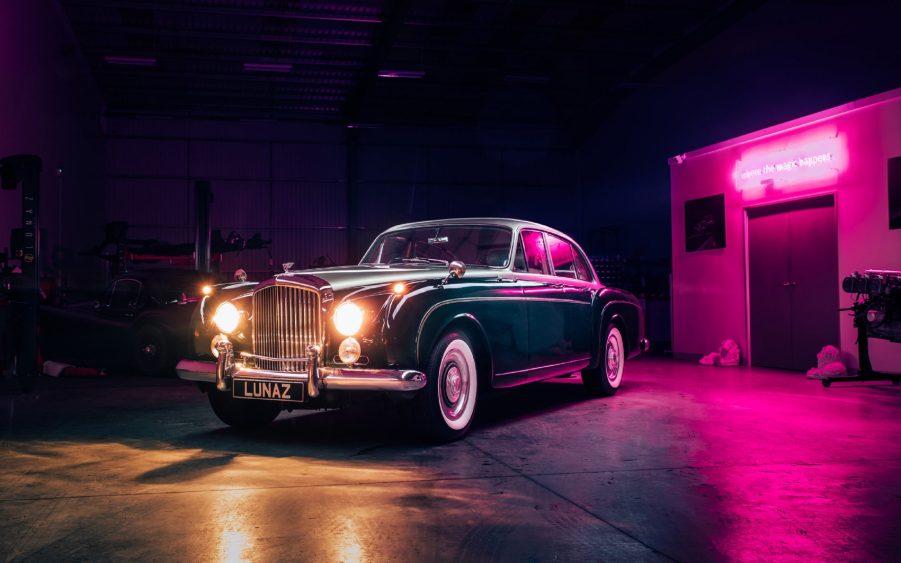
[[709, 287]]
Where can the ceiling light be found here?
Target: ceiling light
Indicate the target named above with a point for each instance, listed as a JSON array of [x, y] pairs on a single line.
[[401, 73], [129, 61], [268, 67], [527, 78]]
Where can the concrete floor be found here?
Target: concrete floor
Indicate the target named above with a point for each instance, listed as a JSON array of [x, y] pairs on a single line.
[[686, 463]]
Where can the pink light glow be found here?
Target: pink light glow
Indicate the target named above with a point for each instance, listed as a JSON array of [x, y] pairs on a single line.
[[817, 157]]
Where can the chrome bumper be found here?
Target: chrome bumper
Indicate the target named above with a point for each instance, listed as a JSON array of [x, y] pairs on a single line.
[[318, 378]]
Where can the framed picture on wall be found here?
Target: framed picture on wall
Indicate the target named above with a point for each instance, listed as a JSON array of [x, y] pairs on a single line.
[[894, 193], [705, 223]]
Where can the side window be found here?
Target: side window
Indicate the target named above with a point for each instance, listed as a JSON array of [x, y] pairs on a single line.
[[535, 254], [561, 257], [125, 294], [583, 270], [519, 259]]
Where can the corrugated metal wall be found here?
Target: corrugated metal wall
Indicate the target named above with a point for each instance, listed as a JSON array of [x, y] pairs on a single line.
[[286, 182], [408, 174], [289, 182]]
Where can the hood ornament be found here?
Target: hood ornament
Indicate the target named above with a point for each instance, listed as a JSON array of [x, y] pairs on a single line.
[[287, 266]]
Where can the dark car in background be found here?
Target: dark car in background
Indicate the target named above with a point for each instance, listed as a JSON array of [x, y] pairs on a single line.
[[436, 313], [141, 322]]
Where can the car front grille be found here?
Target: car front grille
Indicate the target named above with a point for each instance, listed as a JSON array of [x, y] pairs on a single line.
[[286, 319]]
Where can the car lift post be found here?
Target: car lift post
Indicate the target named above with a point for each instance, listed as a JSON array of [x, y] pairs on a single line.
[[26, 169], [203, 198]]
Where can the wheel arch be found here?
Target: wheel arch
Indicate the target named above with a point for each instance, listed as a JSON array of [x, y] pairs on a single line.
[[626, 316], [468, 324]]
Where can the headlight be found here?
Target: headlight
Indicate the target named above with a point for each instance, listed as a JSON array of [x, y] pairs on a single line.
[[348, 319], [227, 318], [349, 350]]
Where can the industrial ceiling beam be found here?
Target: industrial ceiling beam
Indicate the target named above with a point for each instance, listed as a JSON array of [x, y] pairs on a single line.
[[180, 7], [393, 13], [225, 35]]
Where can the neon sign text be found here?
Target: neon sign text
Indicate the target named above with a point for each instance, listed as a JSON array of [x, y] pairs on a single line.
[[804, 161]]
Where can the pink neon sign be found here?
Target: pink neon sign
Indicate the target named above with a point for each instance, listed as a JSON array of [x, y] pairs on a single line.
[[801, 161]]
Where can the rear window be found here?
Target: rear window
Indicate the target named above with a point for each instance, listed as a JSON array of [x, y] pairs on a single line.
[[531, 255], [561, 257]]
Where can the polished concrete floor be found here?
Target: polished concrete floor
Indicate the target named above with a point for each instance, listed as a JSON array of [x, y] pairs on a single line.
[[686, 463]]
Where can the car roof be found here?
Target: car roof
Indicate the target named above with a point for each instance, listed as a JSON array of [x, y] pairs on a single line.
[[514, 224]]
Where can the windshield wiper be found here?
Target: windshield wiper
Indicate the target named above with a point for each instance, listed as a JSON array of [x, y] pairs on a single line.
[[419, 260]]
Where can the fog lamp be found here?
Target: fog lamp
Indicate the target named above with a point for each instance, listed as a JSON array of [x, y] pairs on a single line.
[[349, 350], [348, 319], [227, 318]]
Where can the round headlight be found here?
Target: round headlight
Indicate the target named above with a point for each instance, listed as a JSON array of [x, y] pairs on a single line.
[[227, 318], [349, 350], [348, 319]]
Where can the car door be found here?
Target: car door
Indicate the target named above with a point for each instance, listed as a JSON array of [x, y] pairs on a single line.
[[577, 286], [559, 307]]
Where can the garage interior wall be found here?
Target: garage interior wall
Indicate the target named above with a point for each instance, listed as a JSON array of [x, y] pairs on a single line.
[[285, 181], [50, 106], [298, 183], [408, 174], [709, 302]]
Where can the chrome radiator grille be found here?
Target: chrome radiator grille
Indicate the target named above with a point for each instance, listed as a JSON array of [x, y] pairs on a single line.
[[286, 319]]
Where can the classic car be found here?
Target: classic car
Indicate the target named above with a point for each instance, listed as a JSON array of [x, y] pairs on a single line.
[[436, 313], [142, 321]]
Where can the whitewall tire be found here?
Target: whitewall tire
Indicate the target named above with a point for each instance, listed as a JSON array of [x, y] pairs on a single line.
[[606, 378], [446, 407]]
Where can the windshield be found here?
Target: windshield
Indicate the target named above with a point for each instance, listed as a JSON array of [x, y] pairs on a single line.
[[474, 246]]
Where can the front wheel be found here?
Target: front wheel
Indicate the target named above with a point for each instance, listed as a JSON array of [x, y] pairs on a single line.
[[605, 379], [244, 414], [446, 407]]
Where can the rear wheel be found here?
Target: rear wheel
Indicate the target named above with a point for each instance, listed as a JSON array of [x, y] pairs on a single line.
[[446, 407], [151, 351], [605, 379], [244, 414]]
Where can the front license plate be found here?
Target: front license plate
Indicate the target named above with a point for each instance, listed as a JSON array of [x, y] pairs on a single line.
[[268, 390]]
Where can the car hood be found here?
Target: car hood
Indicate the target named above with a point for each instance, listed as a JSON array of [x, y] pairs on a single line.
[[345, 277]]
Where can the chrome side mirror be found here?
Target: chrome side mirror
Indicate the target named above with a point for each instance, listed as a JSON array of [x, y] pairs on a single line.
[[455, 269], [240, 275]]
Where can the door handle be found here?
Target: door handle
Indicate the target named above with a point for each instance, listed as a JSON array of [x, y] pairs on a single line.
[[789, 284]]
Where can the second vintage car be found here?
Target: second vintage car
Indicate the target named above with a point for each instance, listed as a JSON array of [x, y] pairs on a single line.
[[436, 313]]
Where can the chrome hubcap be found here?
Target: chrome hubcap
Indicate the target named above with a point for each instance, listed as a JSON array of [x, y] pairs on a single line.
[[453, 384], [149, 350], [612, 359]]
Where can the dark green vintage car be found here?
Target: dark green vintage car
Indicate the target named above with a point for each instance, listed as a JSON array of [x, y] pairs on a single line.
[[436, 312]]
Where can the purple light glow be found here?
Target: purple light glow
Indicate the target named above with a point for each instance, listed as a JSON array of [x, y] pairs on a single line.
[[817, 157], [401, 74], [129, 61], [268, 67]]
